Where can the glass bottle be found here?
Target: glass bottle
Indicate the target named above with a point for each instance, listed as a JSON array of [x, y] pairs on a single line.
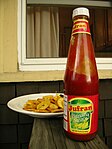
[[81, 81]]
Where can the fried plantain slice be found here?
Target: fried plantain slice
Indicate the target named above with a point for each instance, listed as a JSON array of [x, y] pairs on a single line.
[[46, 104], [60, 102], [53, 106]]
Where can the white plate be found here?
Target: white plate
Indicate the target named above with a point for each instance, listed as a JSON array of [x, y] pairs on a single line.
[[16, 104]]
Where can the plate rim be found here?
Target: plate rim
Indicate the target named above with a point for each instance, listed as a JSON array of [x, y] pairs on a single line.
[[31, 113]]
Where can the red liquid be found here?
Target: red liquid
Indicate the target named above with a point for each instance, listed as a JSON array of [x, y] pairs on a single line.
[[81, 78], [77, 84]]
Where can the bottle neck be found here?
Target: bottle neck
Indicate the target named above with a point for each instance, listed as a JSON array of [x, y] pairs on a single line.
[[80, 25]]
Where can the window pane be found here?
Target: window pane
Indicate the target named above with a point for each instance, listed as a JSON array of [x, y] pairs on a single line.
[[42, 31], [49, 30]]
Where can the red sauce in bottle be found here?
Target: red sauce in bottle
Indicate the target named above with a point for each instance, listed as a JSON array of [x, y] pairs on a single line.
[[81, 82]]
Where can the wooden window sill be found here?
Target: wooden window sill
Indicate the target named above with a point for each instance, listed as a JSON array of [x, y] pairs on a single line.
[[44, 76]]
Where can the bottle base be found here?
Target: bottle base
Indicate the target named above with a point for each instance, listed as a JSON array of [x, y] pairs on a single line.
[[86, 137]]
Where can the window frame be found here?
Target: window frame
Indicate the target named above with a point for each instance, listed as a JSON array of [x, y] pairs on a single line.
[[45, 64]]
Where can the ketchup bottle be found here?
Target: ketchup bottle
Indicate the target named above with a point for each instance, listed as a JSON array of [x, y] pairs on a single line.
[[81, 81]]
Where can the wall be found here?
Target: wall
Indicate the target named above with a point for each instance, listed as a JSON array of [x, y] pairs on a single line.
[[9, 50], [15, 128], [8, 36]]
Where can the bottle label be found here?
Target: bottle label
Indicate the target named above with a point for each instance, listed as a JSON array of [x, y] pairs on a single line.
[[80, 26], [80, 114]]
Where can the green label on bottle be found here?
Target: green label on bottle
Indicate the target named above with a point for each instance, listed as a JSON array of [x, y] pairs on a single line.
[[80, 115]]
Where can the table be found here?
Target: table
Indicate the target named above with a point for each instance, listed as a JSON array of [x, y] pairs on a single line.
[[49, 134]]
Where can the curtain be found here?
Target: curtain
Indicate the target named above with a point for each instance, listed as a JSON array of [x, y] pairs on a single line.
[[42, 32]]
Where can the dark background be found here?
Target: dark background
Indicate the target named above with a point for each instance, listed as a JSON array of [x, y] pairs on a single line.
[[15, 128]]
